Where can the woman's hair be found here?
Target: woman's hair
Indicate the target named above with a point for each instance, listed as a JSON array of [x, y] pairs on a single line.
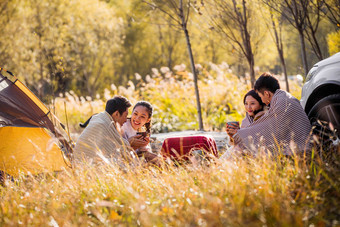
[[149, 108], [253, 94]]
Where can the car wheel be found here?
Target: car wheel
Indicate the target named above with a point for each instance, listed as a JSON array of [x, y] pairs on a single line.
[[325, 119]]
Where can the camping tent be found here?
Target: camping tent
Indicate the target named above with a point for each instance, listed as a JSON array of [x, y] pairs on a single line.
[[31, 139]]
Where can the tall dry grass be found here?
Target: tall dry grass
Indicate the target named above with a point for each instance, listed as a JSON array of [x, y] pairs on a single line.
[[173, 96], [241, 191]]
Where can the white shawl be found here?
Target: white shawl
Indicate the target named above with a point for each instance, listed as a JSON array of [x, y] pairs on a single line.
[[100, 141]]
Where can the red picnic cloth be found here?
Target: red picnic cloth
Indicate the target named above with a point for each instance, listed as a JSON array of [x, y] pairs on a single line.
[[180, 147]]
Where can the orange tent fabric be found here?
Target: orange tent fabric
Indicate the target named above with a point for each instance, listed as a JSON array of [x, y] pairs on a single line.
[[29, 151], [32, 138]]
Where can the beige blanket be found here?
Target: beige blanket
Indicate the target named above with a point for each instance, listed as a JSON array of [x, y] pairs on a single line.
[[283, 128], [101, 142]]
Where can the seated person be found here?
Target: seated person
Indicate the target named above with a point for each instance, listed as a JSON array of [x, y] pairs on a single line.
[[254, 107], [101, 139], [284, 127], [137, 130]]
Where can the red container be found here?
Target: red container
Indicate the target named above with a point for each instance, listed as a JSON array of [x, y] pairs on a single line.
[[179, 148]]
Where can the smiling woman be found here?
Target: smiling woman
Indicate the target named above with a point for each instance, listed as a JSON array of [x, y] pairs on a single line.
[[137, 131], [254, 110], [253, 104], [140, 121], [140, 117]]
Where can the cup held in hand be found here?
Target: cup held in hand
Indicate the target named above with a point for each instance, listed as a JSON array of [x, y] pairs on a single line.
[[233, 123]]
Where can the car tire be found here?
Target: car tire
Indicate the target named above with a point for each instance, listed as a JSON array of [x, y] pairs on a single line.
[[327, 109], [324, 112]]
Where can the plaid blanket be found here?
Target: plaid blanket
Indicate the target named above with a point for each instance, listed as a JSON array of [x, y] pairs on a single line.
[[182, 147], [284, 127]]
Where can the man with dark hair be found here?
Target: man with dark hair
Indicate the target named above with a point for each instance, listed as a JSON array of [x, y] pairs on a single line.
[[101, 139], [284, 127], [265, 86]]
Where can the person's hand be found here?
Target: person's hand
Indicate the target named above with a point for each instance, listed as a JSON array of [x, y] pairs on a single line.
[[141, 151], [146, 139], [153, 159], [232, 129], [138, 141]]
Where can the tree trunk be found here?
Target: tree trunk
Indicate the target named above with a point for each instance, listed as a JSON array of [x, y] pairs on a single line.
[[250, 58], [251, 69], [246, 40], [312, 27], [279, 47], [199, 112], [315, 45], [193, 68], [284, 68], [303, 52]]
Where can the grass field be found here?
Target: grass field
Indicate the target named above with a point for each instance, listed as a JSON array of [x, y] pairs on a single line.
[[242, 191]]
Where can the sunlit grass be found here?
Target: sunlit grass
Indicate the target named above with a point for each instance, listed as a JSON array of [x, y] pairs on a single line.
[[242, 191]]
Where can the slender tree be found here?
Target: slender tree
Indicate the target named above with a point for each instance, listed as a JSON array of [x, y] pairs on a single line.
[[179, 13], [277, 29], [313, 19], [233, 19], [168, 41], [294, 11], [275, 25]]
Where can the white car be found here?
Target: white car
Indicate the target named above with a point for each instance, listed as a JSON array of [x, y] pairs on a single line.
[[320, 96]]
